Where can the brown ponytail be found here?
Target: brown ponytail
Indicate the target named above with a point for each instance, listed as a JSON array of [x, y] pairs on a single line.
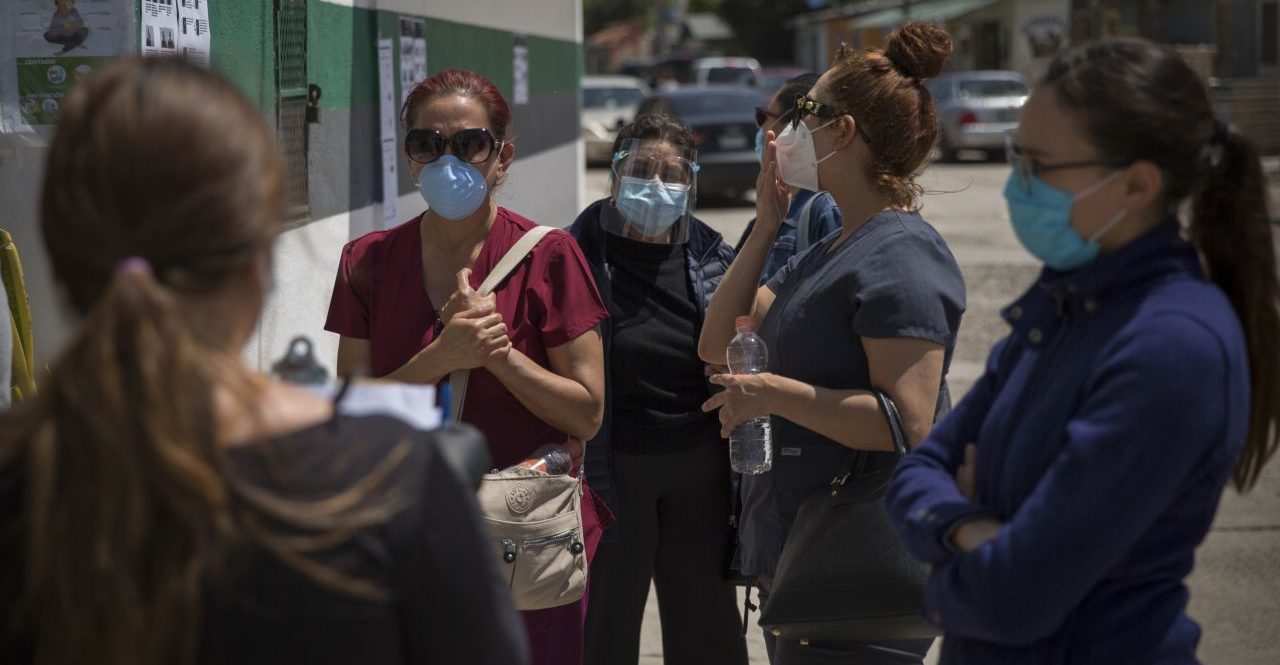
[[1232, 227], [127, 507], [1141, 101]]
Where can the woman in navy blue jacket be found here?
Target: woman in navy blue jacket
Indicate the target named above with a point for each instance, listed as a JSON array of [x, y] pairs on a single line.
[[1061, 502], [658, 460]]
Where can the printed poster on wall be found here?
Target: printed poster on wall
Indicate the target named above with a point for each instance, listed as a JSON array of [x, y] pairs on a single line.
[[176, 27], [413, 53], [46, 46], [388, 111], [159, 34], [193, 31], [520, 69]]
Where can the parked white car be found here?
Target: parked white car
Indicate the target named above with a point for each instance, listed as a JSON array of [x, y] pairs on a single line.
[[608, 103], [730, 71]]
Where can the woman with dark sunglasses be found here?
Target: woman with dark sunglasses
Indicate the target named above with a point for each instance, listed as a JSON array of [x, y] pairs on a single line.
[[812, 216], [658, 460], [1061, 503], [875, 305], [406, 306]]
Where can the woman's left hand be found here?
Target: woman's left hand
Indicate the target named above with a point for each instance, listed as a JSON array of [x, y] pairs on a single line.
[[745, 396]]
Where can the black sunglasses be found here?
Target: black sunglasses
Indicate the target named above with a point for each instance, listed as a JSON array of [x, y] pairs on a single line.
[[474, 146], [806, 105], [764, 115]]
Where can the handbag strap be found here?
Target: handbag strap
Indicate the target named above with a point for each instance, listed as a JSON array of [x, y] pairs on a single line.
[[897, 429], [897, 432], [458, 378], [805, 223]]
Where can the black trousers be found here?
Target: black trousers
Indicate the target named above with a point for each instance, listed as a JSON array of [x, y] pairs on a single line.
[[673, 522], [883, 652]]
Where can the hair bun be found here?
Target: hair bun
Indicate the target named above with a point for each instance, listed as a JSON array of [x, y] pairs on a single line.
[[919, 49]]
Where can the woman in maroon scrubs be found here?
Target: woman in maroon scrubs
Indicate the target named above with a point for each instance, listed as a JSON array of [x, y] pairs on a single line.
[[405, 306]]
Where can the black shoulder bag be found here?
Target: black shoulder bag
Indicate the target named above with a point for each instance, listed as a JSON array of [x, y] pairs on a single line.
[[844, 574]]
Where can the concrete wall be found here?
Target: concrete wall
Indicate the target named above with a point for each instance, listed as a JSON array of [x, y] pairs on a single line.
[[544, 184], [1036, 15]]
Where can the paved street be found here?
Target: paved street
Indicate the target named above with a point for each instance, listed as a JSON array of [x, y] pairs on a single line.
[[1235, 588]]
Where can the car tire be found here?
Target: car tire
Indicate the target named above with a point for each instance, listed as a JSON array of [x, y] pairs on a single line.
[[946, 152]]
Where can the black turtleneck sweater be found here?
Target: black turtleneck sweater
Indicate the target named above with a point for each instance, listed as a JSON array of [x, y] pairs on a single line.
[[658, 382]]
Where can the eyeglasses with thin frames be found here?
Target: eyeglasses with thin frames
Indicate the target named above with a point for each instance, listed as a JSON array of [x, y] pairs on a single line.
[[1028, 167]]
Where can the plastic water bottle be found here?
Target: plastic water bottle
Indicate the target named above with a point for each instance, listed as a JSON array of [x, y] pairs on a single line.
[[551, 459], [751, 443]]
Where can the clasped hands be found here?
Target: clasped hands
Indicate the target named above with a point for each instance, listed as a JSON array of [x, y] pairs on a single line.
[[473, 334]]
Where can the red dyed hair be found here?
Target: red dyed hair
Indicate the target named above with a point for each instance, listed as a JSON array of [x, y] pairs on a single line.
[[464, 83]]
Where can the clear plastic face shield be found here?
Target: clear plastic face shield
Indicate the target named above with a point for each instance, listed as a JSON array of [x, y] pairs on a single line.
[[654, 189]]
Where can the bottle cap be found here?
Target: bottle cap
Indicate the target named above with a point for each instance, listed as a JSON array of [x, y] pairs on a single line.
[[744, 324]]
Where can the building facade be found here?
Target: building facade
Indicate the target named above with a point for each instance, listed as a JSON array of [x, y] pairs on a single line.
[[1018, 35], [313, 67]]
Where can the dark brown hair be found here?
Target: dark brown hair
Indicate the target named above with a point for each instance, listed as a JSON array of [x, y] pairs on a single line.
[[1141, 101], [655, 126], [884, 92], [162, 183], [792, 88]]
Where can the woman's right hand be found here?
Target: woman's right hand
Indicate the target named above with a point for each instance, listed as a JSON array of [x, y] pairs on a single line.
[[473, 338], [465, 298], [773, 197]]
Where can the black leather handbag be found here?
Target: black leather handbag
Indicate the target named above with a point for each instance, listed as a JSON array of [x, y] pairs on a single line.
[[844, 574]]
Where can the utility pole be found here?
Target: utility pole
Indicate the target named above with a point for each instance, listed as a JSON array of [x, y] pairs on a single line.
[[660, 46]]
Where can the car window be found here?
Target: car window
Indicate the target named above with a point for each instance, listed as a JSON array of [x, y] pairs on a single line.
[[603, 98], [982, 88], [729, 75], [707, 103]]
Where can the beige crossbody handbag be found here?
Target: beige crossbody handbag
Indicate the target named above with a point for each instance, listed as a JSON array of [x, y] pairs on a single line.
[[535, 520]]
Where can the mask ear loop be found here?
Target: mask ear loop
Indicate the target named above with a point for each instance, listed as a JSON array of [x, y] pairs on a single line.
[[814, 131], [1115, 219]]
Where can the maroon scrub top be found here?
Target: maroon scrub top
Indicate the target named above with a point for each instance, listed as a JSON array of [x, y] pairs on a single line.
[[548, 301]]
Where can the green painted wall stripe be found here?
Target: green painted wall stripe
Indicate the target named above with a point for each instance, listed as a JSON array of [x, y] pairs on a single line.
[[555, 66], [471, 47], [243, 46], [342, 52]]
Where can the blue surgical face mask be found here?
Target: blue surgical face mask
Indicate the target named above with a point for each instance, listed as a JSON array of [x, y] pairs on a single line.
[[453, 188], [760, 145], [651, 206], [1041, 219]]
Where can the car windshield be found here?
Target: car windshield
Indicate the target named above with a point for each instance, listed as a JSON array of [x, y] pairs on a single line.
[[983, 88], [607, 98], [708, 103], [729, 75]]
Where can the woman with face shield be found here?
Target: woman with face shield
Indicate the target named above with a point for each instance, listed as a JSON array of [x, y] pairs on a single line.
[[658, 460], [875, 306]]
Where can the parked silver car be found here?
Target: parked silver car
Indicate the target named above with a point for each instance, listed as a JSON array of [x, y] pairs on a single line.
[[608, 103], [976, 109]]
